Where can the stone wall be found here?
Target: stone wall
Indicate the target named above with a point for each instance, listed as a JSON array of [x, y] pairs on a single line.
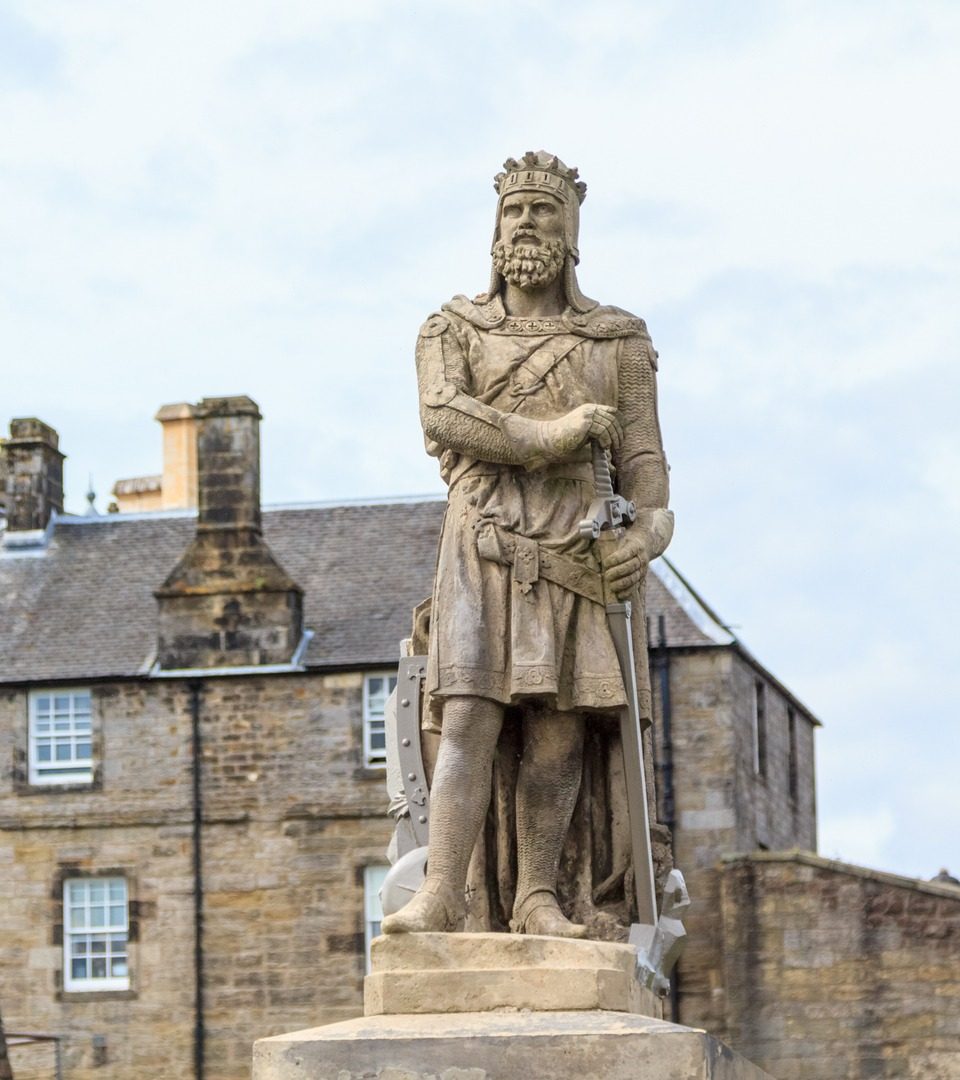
[[721, 803], [835, 972], [290, 820]]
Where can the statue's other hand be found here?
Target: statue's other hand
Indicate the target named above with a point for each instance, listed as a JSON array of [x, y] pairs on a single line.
[[586, 422], [624, 567]]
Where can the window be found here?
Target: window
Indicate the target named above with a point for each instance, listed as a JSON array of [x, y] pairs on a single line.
[[377, 687], [95, 925], [792, 777], [373, 877], [759, 730], [60, 748]]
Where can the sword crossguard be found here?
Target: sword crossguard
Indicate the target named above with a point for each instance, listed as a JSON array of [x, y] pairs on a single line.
[[608, 510]]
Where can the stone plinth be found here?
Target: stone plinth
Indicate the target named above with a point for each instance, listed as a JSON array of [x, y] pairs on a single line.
[[451, 973], [580, 1045], [498, 1007]]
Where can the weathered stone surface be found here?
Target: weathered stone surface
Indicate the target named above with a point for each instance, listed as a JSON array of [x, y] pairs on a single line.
[[500, 1046], [290, 820], [228, 602], [33, 474], [719, 801], [541, 408], [426, 973], [833, 972]]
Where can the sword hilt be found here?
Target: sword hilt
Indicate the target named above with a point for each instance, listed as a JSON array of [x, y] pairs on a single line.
[[608, 510]]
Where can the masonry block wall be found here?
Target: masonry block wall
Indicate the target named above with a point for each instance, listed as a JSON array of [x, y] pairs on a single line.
[[838, 973], [722, 803], [290, 819]]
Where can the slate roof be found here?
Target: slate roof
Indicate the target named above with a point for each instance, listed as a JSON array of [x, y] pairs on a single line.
[[83, 607]]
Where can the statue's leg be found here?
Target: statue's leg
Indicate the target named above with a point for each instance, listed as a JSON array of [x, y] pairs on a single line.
[[459, 797], [547, 789]]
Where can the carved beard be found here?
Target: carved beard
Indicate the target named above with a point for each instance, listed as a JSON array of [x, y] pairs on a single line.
[[527, 265]]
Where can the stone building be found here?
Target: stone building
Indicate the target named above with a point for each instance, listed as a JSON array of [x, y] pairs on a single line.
[[192, 826]]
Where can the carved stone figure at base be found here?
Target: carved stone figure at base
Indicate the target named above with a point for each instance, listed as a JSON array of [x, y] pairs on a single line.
[[520, 389]]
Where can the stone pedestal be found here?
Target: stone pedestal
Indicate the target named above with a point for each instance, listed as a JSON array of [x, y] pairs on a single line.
[[501, 1007], [432, 973], [582, 1045]]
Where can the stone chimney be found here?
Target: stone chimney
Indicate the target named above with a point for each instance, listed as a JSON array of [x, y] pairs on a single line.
[[228, 602], [179, 484], [34, 475], [176, 488]]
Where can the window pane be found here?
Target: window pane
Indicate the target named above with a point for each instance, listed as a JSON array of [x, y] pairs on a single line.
[[43, 752], [97, 890], [374, 686], [118, 966], [118, 915], [79, 946], [43, 704], [83, 751], [62, 703], [63, 751], [378, 740], [98, 968], [77, 918], [76, 890], [393, 684], [97, 916], [98, 944], [78, 969], [118, 943], [118, 890]]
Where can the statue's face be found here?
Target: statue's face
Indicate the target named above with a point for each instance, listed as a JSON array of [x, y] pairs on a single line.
[[531, 217]]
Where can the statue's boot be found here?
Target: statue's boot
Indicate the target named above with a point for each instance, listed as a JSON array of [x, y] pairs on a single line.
[[540, 914], [547, 787], [436, 907]]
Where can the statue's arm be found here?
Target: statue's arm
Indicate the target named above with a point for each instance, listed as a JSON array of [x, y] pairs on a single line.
[[453, 419], [642, 473]]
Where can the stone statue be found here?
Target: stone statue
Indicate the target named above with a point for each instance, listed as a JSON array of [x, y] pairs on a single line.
[[518, 388]]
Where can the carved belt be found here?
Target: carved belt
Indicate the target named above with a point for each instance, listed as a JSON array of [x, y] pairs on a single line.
[[531, 561]]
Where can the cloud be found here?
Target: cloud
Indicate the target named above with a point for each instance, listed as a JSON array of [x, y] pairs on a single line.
[[272, 203]]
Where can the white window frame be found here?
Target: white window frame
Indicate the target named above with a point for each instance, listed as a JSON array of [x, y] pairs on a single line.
[[85, 928], [372, 908], [373, 721], [75, 730]]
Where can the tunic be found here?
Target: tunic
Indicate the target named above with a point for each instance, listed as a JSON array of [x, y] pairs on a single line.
[[517, 613]]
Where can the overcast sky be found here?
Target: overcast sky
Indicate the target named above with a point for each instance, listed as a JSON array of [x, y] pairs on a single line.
[[268, 199]]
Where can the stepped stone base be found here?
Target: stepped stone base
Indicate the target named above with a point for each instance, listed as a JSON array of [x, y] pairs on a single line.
[[501, 1007], [453, 973], [580, 1045]]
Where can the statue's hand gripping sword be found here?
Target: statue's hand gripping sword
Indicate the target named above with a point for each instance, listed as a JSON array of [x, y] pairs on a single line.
[[608, 516]]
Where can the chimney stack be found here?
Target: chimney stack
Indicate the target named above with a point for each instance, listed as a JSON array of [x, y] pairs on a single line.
[[179, 484], [34, 475], [228, 602]]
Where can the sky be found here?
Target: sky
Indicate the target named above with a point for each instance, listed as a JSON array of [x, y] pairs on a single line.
[[199, 199]]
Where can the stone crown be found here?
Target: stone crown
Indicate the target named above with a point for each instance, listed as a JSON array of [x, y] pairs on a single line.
[[538, 169]]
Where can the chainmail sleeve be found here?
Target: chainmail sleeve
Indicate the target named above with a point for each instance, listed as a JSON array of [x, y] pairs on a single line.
[[641, 465], [454, 421]]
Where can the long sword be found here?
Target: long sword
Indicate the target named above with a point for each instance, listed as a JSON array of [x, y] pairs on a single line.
[[608, 516]]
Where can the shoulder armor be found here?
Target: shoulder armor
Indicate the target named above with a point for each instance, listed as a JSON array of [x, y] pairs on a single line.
[[606, 322], [484, 313], [435, 325], [435, 396]]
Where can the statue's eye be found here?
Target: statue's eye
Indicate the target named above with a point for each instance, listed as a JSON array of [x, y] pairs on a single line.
[[511, 211]]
